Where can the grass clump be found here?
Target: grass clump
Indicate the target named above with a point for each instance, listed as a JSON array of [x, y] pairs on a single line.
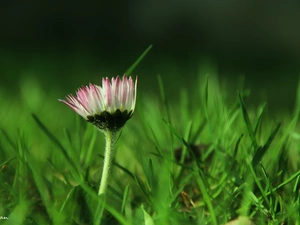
[[200, 158]]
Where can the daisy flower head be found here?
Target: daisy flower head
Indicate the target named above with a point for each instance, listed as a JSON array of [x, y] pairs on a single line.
[[107, 107]]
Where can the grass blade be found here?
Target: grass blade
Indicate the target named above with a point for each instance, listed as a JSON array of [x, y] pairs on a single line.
[[5, 163], [125, 197], [147, 218], [247, 121], [259, 119], [206, 197], [60, 146], [262, 151], [137, 62], [236, 148], [172, 129], [294, 176], [206, 94]]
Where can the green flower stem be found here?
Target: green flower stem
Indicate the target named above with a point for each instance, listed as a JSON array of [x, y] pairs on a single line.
[[109, 150]]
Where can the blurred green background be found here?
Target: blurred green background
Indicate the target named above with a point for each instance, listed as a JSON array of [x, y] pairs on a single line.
[[57, 46]]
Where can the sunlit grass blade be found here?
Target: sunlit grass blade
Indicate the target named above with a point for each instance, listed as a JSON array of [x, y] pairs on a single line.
[[137, 62], [262, 151], [147, 218]]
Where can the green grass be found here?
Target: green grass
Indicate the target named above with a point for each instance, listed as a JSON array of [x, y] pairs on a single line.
[[197, 156]]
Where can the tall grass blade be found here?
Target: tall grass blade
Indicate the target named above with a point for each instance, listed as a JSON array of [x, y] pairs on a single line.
[[137, 62], [125, 197], [262, 151], [236, 148], [167, 108], [203, 189], [247, 121]]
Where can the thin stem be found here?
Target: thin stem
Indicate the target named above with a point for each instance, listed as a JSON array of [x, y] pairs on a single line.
[[109, 150]]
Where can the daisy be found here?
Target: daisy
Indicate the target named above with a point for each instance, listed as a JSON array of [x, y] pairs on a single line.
[[108, 108]]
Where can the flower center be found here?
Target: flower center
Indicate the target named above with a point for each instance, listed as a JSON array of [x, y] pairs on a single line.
[[107, 121]]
